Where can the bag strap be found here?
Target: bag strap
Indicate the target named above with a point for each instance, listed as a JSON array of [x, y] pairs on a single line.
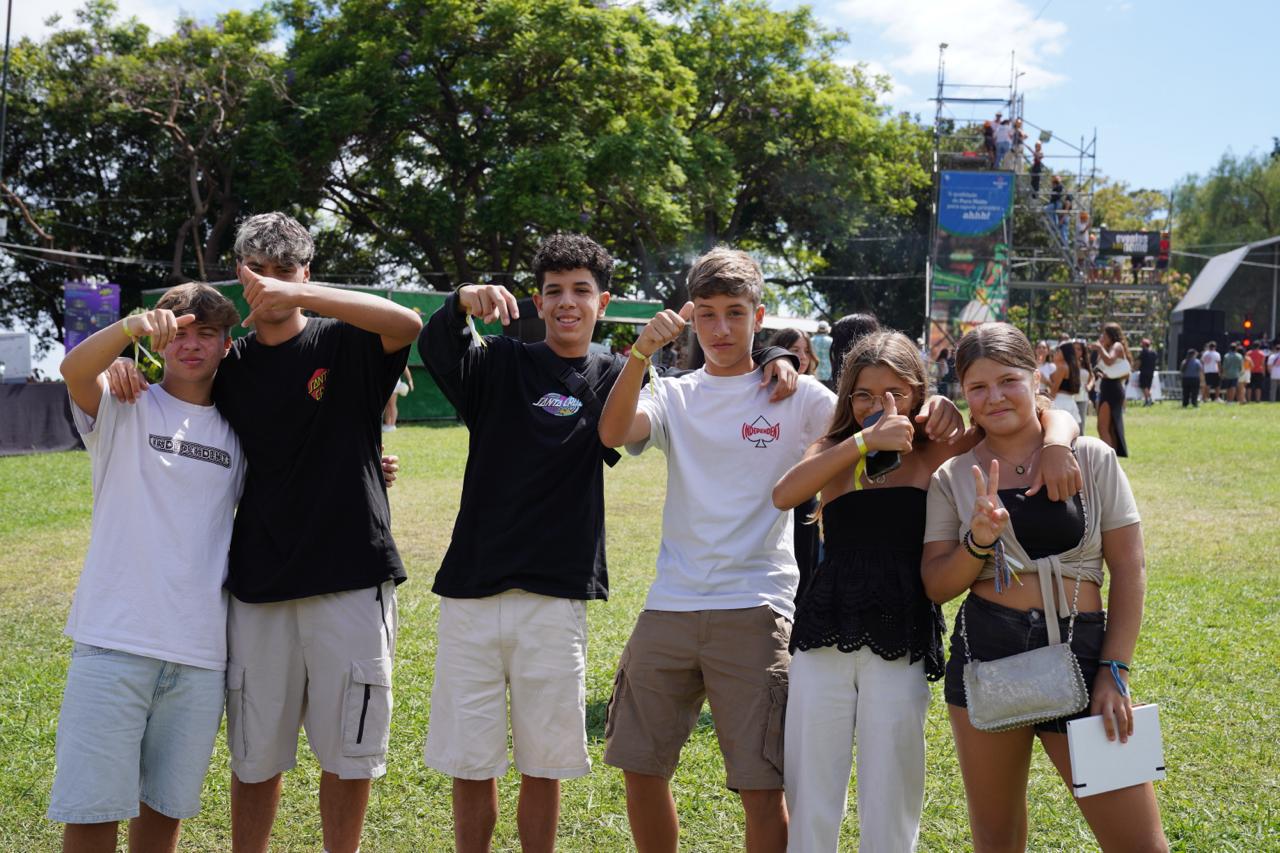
[[575, 383]]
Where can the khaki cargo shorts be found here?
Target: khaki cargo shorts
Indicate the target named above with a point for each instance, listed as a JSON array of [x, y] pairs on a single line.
[[735, 659]]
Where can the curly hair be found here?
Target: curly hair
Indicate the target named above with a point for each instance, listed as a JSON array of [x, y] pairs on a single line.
[[561, 252]]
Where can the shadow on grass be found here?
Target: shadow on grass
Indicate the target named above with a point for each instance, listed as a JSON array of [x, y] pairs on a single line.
[[597, 710]]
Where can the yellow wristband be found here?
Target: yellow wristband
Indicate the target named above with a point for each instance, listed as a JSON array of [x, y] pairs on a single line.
[[861, 467], [635, 353], [124, 327]]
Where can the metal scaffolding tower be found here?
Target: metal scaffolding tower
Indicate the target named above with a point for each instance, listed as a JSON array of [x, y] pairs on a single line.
[[1048, 263]]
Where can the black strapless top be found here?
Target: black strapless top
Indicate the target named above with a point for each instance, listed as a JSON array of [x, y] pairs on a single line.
[[867, 590]]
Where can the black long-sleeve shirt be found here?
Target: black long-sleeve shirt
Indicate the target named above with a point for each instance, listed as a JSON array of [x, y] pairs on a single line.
[[532, 509]]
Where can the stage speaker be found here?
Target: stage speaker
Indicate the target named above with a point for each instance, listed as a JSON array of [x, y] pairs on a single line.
[[1211, 324]]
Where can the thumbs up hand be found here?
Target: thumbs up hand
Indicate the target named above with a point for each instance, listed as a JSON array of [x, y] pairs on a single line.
[[892, 432], [664, 328]]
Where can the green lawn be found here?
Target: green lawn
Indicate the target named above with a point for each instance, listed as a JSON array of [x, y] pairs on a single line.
[[1208, 483]]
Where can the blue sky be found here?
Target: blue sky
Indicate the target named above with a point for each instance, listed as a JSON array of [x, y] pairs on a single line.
[[1170, 85]]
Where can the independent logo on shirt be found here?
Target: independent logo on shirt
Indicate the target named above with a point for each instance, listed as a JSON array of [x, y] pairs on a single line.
[[190, 450], [760, 432], [315, 385], [559, 405]]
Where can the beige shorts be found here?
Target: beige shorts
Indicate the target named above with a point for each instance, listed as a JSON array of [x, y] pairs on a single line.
[[323, 663], [534, 645], [736, 659]]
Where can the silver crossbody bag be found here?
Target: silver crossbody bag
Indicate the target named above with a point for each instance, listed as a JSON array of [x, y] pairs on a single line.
[[1027, 688]]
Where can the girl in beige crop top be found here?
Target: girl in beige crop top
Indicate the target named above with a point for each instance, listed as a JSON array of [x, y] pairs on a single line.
[[997, 371]]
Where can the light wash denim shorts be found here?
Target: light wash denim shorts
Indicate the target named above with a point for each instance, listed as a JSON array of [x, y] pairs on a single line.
[[133, 729]]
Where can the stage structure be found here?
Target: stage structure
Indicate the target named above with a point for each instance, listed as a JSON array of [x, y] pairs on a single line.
[[1002, 236]]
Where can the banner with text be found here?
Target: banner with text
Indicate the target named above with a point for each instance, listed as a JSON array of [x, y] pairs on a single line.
[[971, 252], [89, 307], [1136, 243]]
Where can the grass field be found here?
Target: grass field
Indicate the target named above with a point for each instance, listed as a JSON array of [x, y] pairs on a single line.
[[1207, 481]]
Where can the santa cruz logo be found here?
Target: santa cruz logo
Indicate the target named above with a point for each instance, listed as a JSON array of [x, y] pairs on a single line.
[[559, 405], [315, 385], [760, 432]]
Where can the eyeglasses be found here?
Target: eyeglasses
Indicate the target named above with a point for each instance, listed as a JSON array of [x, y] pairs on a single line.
[[863, 398]]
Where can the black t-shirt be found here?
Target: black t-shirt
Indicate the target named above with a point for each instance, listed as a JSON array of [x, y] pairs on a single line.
[[532, 510], [1147, 361], [313, 518]]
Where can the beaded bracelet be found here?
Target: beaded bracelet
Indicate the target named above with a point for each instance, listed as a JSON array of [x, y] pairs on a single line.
[[973, 548]]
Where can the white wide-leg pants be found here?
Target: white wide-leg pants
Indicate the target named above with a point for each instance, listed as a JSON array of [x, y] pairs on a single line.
[[836, 698]]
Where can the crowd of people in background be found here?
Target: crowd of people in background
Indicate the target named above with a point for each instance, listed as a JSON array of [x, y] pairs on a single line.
[[1240, 375]]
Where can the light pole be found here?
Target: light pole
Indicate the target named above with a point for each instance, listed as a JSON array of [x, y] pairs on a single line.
[[4, 104]]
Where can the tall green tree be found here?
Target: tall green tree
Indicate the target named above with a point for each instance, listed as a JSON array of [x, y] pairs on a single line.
[[1237, 202], [125, 146], [453, 134]]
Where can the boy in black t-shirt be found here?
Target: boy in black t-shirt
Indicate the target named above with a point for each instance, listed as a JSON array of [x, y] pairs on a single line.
[[528, 545]]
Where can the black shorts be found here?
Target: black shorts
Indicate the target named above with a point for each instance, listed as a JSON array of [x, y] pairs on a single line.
[[1212, 379], [996, 631], [1144, 380], [1230, 383]]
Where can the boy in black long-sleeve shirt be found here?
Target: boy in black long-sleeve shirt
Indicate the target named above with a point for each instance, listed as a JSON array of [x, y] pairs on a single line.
[[528, 543]]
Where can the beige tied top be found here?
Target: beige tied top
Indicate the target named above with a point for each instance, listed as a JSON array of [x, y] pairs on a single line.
[[1108, 502]]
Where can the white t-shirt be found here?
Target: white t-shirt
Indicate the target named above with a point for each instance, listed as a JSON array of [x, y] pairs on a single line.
[[1275, 365], [1003, 132], [1210, 359], [1082, 396], [724, 544], [1046, 374], [166, 478]]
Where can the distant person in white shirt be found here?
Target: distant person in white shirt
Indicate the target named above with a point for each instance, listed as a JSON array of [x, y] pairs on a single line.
[[1212, 361], [144, 693]]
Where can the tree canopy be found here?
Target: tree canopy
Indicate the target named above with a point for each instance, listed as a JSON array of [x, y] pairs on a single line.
[[429, 143]]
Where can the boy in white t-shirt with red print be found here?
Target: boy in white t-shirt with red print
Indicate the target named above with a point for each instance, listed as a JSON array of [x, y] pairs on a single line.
[[144, 692], [717, 620]]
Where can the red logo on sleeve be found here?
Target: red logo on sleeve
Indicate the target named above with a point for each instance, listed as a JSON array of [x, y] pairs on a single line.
[[315, 385]]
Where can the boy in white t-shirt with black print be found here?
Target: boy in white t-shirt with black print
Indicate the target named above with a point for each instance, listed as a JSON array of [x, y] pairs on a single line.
[[717, 620], [144, 694]]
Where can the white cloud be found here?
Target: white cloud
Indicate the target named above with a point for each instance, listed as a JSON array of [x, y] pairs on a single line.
[[29, 16], [980, 37], [898, 91]]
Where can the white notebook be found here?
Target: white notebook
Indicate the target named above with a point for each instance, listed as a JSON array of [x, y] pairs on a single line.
[[1099, 765]]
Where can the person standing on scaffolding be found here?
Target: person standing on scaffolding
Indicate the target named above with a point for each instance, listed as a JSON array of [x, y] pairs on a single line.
[[1037, 167], [1003, 133]]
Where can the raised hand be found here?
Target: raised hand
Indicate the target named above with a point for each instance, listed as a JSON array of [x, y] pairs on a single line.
[[266, 294], [989, 518], [159, 324], [664, 328], [942, 420], [489, 302], [892, 432]]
